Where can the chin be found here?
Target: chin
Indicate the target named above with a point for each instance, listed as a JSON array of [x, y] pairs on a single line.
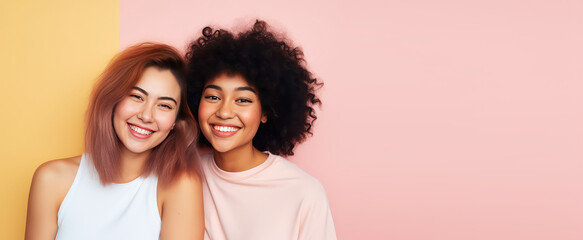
[[137, 151], [227, 145], [222, 149]]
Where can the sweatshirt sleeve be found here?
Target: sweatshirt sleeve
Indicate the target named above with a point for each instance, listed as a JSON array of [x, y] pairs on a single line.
[[316, 218]]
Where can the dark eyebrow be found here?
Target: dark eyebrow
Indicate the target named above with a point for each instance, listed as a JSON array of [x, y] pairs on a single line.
[[161, 98], [168, 98], [246, 89], [141, 90], [213, 87], [236, 89]]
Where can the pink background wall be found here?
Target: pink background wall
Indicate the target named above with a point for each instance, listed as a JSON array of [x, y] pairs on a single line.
[[441, 119]]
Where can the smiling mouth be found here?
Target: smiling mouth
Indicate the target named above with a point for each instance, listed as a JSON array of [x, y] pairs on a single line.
[[225, 129], [140, 130]]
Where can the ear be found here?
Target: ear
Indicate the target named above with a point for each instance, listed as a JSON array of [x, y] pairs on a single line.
[[173, 124], [263, 117]]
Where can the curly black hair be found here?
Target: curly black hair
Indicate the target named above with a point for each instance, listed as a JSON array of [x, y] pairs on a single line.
[[274, 67]]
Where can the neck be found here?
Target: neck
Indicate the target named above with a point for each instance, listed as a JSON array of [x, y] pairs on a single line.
[[131, 165], [240, 159]]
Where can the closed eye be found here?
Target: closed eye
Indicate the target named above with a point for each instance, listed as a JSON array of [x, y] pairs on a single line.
[[166, 106], [136, 96]]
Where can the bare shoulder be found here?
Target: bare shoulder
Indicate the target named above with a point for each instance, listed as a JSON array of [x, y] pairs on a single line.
[[57, 174], [58, 169], [182, 183], [50, 184], [181, 208]]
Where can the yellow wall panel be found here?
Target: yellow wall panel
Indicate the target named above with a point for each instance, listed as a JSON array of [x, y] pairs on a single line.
[[51, 52]]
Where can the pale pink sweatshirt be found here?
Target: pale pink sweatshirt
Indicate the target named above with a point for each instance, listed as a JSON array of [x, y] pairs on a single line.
[[275, 200]]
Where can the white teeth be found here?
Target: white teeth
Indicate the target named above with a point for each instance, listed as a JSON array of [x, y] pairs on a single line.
[[225, 128], [140, 130]]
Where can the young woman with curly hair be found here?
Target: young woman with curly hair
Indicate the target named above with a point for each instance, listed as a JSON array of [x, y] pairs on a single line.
[[139, 176], [253, 99]]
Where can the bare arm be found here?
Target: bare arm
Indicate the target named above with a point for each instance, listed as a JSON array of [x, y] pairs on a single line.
[[50, 184], [182, 209]]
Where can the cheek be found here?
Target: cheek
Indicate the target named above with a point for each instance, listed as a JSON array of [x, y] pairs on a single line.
[[122, 111], [253, 116], [204, 111], [166, 120]]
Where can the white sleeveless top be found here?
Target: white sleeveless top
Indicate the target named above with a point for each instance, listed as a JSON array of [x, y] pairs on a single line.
[[115, 211]]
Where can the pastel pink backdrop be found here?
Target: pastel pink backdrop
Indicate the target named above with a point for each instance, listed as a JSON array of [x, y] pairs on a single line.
[[441, 119]]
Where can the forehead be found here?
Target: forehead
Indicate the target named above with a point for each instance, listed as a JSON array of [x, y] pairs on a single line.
[[160, 82], [229, 82]]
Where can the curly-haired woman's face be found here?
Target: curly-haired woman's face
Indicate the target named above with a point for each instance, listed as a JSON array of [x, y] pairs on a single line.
[[229, 113], [145, 117]]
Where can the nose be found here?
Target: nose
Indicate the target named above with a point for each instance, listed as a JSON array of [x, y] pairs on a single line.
[[145, 113], [225, 111]]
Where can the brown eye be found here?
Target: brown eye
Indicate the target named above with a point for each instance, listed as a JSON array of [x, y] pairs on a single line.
[[243, 100], [212, 98]]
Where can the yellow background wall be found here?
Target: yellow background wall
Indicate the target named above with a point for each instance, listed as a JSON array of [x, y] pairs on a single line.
[[51, 52]]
